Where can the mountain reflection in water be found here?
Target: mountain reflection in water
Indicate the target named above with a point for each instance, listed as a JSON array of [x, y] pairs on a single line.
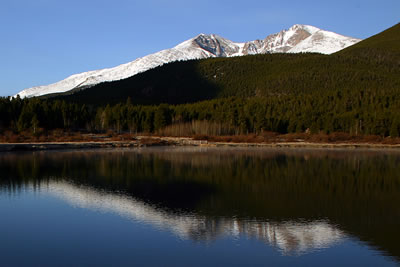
[[289, 237], [295, 200]]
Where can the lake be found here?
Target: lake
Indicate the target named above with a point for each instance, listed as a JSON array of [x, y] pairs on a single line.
[[196, 206]]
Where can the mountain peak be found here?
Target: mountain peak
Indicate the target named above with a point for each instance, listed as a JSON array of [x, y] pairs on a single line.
[[310, 29], [298, 38], [216, 45], [202, 35]]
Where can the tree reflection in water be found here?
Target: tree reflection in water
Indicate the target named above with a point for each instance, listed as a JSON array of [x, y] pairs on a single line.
[[295, 200]]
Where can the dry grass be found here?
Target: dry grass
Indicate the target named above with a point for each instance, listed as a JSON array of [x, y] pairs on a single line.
[[269, 137], [264, 137], [61, 136], [151, 141]]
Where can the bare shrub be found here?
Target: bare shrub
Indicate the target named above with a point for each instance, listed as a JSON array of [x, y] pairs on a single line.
[[372, 139], [319, 138], [391, 141], [339, 137], [201, 137]]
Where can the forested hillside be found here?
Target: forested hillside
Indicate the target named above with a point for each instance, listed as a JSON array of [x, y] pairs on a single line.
[[359, 112], [356, 91], [372, 65]]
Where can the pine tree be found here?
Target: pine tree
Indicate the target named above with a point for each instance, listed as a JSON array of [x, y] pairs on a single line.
[[161, 117], [34, 124], [395, 127]]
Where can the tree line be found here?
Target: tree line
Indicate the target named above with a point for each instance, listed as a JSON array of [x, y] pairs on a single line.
[[359, 112]]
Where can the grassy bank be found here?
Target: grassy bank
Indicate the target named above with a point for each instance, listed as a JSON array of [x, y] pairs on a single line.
[[76, 140]]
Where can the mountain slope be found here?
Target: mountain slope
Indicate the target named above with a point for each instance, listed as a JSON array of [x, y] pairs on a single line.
[[298, 38], [323, 42], [256, 75], [387, 40]]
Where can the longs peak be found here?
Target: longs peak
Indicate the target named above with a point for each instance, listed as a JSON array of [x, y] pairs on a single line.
[[298, 38]]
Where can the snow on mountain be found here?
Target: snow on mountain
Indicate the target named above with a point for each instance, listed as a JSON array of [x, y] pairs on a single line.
[[324, 42], [298, 38]]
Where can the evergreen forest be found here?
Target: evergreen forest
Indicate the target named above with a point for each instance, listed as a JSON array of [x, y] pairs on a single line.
[[355, 91]]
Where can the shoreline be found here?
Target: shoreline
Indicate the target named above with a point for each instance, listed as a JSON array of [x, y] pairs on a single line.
[[181, 141]]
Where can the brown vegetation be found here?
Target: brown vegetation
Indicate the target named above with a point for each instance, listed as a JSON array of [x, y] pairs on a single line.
[[172, 131], [270, 137], [196, 127], [59, 135]]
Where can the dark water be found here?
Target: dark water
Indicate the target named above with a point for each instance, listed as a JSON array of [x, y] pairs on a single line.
[[200, 207]]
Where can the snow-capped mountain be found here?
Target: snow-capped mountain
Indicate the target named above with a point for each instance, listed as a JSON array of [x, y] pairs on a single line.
[[298, 38]]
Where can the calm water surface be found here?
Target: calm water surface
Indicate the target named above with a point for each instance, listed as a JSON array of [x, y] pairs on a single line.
[[200, 207]]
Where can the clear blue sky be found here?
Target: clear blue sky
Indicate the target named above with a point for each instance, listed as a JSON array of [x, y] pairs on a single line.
[[44, 41]]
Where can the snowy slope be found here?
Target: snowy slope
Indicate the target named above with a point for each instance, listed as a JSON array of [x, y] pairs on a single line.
[[324, 42], [298, 38]]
